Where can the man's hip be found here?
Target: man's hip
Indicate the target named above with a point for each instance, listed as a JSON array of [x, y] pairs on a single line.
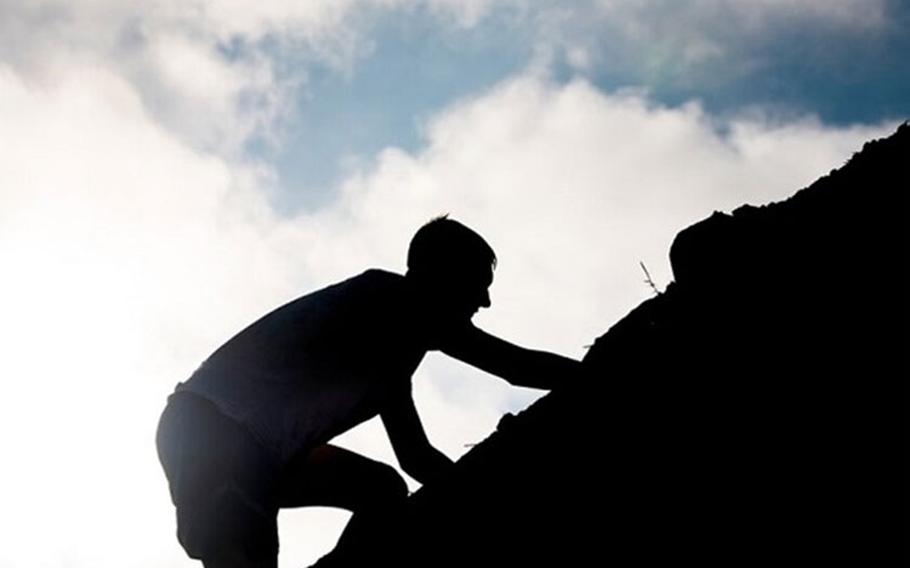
[[223, 483]]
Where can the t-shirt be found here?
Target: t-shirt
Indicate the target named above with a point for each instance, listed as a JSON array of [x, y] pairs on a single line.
[[318, 365]]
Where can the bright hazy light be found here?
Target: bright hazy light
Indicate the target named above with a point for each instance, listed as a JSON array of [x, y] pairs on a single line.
[[136, 235]]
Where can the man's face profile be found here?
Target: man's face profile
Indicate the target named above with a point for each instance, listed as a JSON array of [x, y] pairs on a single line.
[[459, 294]]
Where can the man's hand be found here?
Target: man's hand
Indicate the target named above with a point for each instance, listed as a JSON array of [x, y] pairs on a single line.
[[417, 457]]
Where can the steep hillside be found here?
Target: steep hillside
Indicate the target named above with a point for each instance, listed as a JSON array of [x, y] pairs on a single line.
[[751, 414]]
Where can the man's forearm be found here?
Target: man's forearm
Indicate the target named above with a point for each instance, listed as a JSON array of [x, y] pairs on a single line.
[[517, 365], [543, 370]]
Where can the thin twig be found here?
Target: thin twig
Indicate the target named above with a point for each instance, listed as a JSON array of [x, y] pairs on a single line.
[[648, 279]]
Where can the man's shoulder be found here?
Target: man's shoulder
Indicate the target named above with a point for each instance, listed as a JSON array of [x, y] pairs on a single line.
[[372, 289], [372, 279], [336, 299], [380, 275]]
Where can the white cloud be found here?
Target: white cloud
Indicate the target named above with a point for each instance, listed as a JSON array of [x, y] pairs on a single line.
[[114, 238], [206, 69], [850, 14], [469, 12], [135, 236], [847, 13], [573, 188], [700, 44], [177, 65], [128, 255]]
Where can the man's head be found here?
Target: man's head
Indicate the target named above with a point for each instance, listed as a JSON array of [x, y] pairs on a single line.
[[452, 266]]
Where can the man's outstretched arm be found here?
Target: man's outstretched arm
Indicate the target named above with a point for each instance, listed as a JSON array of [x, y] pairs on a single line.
[[517, 365], [417, 457]]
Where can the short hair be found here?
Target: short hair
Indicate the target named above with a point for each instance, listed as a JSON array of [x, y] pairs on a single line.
[[444, 244]]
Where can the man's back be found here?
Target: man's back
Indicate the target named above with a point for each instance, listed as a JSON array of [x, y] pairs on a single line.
[[318, 365]]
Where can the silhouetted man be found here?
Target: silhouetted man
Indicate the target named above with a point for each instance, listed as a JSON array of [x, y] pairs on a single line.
[[248, 432]]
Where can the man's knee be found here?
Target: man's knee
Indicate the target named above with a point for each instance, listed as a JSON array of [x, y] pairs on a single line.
[[387, 486], [398, 488]]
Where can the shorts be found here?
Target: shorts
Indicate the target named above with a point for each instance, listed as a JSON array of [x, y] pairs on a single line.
[[221, 480]]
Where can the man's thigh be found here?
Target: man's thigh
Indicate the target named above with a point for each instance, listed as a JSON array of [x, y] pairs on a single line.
[[221, 483], [330, 476]]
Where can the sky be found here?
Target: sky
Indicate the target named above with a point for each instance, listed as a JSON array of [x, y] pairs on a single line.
[[172, 169]]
